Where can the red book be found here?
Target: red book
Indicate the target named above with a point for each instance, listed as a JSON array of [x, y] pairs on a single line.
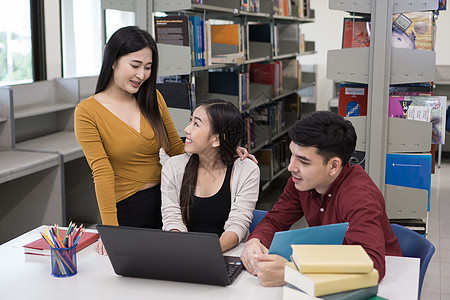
[[352, 100], [41, 247], [265, 74]]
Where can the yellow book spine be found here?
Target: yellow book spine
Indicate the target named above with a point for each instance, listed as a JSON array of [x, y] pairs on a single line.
[[335, 283]]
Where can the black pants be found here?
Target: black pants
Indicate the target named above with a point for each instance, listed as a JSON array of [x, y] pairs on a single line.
[[143, 209]]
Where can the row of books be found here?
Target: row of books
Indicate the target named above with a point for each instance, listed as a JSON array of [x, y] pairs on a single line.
[[300, 8], [227, 43], [268, 121], [288, 7], [330, 272], [413, 30], [263, 82], [412, 102], [233, 83], [273, 158]]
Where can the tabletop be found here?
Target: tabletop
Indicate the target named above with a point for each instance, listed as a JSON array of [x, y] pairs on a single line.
[[29, 277]]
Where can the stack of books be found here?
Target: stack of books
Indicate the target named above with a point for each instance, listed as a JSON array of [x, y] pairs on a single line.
[[330, 272]]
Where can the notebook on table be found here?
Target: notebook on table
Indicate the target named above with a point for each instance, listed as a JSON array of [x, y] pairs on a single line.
[[332, 234], [166, 255]]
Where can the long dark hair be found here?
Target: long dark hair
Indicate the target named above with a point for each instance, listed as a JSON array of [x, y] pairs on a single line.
[[226, 121], [124, 41]]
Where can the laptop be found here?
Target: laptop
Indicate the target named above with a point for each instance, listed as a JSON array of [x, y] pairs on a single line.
[[167, 255]]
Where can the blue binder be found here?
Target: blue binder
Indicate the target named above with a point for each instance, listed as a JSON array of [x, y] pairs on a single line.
[[332, 234]]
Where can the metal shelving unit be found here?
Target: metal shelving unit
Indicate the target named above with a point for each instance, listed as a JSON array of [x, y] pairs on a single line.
[[379, 66]]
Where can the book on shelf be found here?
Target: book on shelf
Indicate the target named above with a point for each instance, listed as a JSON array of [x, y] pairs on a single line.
[[291, 74], [356, 33], [412, 30], [422, 108], [250, 137], [286, 39], [197, 41], [290, 292], [172, 30], [269, 74], [41, 247], [331, 259], [320, 284], [259, 40], [412, 170], [282, 7], [352, 101], [412, 89], [238, 58], [230, 83], [250, 5], [226, 42]]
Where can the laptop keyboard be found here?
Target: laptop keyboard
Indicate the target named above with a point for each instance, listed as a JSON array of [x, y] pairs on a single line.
[[232, 268]]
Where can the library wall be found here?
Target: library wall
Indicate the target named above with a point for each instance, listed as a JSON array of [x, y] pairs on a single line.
[[442, 40], [326, 31]]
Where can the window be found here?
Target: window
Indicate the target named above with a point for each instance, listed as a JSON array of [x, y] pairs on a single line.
[[81, 37], [82, 34], [15, 43], [116, 19]]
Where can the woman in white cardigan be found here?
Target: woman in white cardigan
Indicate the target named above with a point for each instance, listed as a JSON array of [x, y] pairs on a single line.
[[209, 189]]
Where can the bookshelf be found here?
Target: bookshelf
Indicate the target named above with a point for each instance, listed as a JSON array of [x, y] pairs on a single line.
[[379, 66], [271, 37]]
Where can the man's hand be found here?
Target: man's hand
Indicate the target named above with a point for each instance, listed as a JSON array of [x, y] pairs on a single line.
[[243, 154], [270, 269], [252, 248]]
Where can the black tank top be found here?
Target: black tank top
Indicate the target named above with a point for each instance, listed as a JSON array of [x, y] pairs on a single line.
[[210, 213]]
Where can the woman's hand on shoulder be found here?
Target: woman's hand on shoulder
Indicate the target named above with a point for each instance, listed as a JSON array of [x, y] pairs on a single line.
[[243, 154]]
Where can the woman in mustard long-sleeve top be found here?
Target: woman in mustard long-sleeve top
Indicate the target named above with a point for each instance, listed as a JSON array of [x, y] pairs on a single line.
[[121, 129]]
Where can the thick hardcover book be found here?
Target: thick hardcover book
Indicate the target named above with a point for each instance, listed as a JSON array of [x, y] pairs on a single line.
[[172, 30], [319, 284], [290, 292], [352, 100], [41, 247], [266, 74], [331, 259], [422, 108]]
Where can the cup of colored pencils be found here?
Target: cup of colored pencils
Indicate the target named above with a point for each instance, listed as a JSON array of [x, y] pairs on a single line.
[[63, 248]]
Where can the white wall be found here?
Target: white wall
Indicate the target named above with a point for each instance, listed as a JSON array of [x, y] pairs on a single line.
[[442, 45], [326, 31]]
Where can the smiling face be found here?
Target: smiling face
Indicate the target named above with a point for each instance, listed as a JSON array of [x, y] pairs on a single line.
[[309, 170], [131, 70], [199, 139]]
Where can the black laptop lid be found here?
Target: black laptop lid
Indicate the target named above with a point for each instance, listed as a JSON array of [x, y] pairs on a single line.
[[165, 255]]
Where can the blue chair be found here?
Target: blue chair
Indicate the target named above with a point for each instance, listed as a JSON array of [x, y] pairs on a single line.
[[414, 245], [258, 215]]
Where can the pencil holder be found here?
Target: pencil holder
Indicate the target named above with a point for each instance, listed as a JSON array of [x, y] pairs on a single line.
[[64, 261]]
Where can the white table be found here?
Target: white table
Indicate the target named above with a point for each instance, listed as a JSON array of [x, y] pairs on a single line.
[[29, 277]]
